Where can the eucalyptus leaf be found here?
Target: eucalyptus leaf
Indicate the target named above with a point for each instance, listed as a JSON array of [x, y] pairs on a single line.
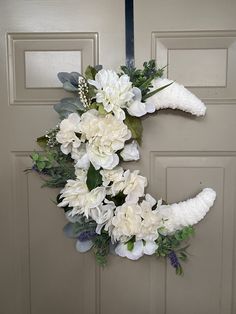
[[94, 178]]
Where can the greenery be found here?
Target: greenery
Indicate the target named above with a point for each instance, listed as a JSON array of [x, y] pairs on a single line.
[[94, 178], [101, 247], [135, 126]]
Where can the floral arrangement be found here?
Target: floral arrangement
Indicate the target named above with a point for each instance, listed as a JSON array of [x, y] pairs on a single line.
[[106, 205]]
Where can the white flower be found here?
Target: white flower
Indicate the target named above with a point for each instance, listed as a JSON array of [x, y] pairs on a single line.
[[138, 108], [77, 195], [67, 134], [113, 175], [140, 248], [134, 186], [81, 157], [103, 215], [151, 220], [112, 91], [113, 180], [126, 222], [130, 152], [105, 136]]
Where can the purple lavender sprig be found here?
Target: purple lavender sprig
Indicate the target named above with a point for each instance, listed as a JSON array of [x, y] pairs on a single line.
[[87, 235], [174, 261]]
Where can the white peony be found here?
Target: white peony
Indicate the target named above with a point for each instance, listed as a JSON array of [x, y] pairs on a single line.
[[105, 136], [113, 91], [67, 134], [134, 186], [140, 248], [77, 195], [130, 152], [126, 222]]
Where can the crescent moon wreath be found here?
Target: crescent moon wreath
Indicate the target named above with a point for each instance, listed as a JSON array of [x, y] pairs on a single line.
[[106, 205]]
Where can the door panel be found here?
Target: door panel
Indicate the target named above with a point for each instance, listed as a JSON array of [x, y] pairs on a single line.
[[182, 154]]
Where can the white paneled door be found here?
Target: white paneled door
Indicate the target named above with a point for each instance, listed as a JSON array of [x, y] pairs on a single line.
[[41, 273]]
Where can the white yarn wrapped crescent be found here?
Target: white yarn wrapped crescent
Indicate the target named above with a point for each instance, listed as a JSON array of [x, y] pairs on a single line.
[[175, 96], [187, 213]]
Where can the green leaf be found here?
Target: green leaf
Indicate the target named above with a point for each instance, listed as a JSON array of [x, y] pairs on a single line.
[[90, 73], [94, 178], [135, 126], [130, 246], [101, 110], [42, 141], [156, 91]]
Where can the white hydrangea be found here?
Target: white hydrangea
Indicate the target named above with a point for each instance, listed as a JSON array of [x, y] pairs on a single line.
[[134, 186], [113, 91], [66, 136], [105, 136], [151, 220], [130, 152], [126, 222], [139, 220]]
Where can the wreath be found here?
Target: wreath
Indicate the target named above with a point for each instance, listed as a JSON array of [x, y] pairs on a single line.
[[106, 205]]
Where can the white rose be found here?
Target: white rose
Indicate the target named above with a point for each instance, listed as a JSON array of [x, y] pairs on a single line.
[[130, 152], [112, 91], [81, 157], [126, 222], [134, 186], [138, 108], [67, 134]]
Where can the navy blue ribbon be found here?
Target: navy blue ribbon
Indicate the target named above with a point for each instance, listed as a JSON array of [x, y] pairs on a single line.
[[129, 32]]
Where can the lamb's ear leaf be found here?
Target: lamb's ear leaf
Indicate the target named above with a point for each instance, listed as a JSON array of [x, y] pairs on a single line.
[[69, 87], [135, 126], [69, 77], [94, 178], [67, 106], [98, 67], [156, 91]]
